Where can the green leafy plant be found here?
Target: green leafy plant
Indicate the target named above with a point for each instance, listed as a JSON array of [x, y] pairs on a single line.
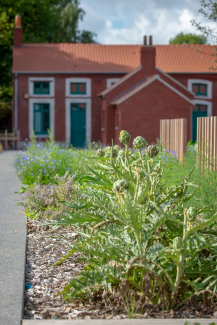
[[136, 233], [42, 161]]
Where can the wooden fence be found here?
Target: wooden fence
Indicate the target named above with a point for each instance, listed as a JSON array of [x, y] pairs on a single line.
[[207, 142], [6, 137], [173, 135]]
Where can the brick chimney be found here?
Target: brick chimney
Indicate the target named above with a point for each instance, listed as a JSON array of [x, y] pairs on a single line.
[[147, 57], [18, 31]]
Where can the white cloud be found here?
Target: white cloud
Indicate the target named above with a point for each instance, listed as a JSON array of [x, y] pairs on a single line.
[[126, 21]]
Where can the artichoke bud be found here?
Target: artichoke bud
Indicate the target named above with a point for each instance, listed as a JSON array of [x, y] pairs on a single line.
[[152, 151], [191, 214], [100, 153], [108, 151], [139, 142], [117, 147], [140, 172], [121, 154], [120, 185], [125, 137]]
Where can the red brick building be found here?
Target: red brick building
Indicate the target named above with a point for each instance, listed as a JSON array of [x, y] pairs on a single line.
[[89, 92]]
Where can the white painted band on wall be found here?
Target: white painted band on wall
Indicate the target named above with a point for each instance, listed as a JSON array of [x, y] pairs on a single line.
[[68, 81], [204, 82], [204, 102], [111, 81], [43, 79]]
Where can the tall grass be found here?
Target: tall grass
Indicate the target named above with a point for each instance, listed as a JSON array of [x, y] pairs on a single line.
[[176, 171]]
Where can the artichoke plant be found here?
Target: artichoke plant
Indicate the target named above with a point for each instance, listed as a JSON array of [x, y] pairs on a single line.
[[109, 150], [125, 137], [138, 231], [120, 185], [100, 153], [139, 143], [152, 151]]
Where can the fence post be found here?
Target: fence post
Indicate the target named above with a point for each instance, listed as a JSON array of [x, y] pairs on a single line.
[[174, 135], [207, 142]]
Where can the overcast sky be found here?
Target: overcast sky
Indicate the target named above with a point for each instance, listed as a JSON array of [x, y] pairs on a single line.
[[126, 21]]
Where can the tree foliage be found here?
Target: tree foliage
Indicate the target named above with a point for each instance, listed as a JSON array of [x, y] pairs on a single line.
[[42, 21], [182, 38], [209, 10]]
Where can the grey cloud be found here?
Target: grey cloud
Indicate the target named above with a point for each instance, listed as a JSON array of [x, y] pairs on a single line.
[[161, 18]]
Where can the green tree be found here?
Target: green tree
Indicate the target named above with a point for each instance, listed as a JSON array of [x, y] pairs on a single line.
[[42, 21], [209, 10], [182, 38]]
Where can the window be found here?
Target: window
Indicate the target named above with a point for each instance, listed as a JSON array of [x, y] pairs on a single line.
[[200, 108], [41, 88], [41, 118], [77, 106], [199, 89], [78, 88]]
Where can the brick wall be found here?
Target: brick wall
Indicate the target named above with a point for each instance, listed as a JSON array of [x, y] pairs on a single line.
[[142, 112], [183, 78], [98, 83]]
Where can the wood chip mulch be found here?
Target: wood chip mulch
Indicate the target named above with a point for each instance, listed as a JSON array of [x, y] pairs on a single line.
[[42, 300]]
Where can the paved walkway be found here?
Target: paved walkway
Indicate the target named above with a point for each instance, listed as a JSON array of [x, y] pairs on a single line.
[[121, 322], [12, 244]]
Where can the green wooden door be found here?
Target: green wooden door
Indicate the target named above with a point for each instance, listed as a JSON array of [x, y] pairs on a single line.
[[78, 124], [198, 111]]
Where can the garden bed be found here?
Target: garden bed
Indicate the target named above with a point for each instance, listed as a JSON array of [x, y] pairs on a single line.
[[131, 234], [42, 300]]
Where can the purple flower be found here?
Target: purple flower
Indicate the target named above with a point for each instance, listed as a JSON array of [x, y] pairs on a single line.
[[26, 139]]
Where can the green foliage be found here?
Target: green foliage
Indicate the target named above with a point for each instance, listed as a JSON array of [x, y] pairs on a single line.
[[137, 233], [42, 21], [67, 30], [42, 161], [48, 201], [209, 10], [182, 38]]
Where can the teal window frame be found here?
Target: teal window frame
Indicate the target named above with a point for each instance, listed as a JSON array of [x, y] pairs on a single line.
[[199, 93], [77, 92], [44, 108], [41, 86]]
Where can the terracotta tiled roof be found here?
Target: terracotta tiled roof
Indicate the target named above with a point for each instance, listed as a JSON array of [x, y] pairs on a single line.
[[76, 57], [110, 58], [186, 58]]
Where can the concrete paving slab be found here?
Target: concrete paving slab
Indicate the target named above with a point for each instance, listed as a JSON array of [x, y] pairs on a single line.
[[120, 322], [12, 244]]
